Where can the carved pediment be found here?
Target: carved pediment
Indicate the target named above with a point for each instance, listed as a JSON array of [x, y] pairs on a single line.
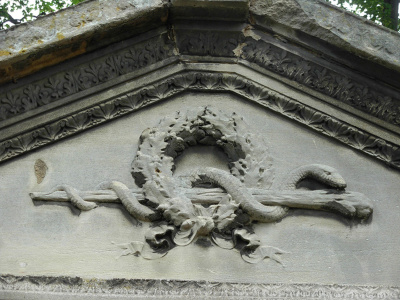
[[226, 215], [303, 116]]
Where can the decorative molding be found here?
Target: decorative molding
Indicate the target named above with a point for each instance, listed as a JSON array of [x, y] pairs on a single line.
[[84, 76], [150, 288], [209, 43], [203, 81], [321, 79]]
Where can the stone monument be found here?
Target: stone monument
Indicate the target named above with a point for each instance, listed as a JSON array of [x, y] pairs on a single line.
[[244, 149]]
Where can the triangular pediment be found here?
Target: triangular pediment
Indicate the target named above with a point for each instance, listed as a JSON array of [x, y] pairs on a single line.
[[267, 149], [264, 133]]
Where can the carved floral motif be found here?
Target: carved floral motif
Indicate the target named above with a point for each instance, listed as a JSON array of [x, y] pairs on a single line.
[[84, 76], [322, 79]]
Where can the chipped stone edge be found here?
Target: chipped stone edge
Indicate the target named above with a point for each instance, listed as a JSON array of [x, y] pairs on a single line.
[[332, 25]]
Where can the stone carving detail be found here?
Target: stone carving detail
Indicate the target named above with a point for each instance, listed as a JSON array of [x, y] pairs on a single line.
[[322, 79], [142, 288], [203, 81], [84, 77], [228, 221], [210, 43]]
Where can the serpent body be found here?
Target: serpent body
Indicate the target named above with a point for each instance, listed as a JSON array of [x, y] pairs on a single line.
[[75, 198], [321, 173], [130, 202], [240, 194]]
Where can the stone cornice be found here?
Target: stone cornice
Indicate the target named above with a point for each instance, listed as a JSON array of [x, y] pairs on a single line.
[[82, 77], [202, 82], [54, 38], [356, 92], [26, 124], [296, 19], [49, 40], [13, 287], [345, 89]]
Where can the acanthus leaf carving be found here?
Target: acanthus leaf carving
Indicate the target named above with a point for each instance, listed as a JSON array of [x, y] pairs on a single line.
[[323, 79], [84, 76], [11, 103], [192, 81]]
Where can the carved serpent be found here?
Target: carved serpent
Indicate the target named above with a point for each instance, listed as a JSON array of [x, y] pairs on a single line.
[[249, 163], [240, 194], [74, 197], [257, 211], [130, 202], [322, 173], [250, 167]]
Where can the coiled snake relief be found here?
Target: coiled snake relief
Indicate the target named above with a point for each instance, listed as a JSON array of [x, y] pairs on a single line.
[[247, 185]]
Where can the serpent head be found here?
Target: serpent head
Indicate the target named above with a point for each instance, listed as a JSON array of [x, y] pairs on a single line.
[[327, 175]]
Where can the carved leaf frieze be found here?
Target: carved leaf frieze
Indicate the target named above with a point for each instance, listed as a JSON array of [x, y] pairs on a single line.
[[84, 76], [322, 79], [208, 43], [200, 81]]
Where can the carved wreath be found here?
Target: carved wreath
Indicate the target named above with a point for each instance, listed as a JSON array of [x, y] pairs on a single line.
[[179, 219]]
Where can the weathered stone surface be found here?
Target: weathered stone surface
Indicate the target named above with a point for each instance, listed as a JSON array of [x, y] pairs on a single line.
[[222, 10], [54, 38], [206, 157], [52, 239], [296, 19], [78, 288], [30, 47]]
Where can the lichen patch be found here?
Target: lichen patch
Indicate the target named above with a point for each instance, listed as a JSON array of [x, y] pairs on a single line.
[[5, 53], [60, 36]]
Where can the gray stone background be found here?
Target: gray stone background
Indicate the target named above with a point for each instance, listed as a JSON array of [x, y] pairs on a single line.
[[56, 240]]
